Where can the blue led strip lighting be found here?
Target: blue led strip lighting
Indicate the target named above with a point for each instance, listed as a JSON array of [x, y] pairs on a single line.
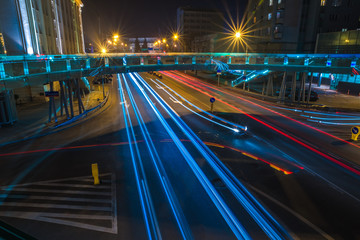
[[253, 207], [180, 219], [224, 210], [144, 199]]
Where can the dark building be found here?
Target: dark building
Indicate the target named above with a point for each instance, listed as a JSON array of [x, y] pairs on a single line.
[[41, 26], [292, 26], [192, 22]]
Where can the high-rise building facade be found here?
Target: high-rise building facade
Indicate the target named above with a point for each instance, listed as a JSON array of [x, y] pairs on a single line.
[[192, 22], [42, 26], [292, 26]]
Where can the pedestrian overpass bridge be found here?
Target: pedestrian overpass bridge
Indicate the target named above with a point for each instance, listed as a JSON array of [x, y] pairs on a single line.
[[42, 69], [67, 70]]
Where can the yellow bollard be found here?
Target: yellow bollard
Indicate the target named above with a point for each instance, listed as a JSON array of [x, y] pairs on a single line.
[[355, 132], [95, 173]]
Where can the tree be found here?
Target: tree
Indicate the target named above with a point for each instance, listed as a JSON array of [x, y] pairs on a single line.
[[137, 45], [144, 47]]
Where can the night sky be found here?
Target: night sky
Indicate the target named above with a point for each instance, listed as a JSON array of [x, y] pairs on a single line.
[[136, 18]]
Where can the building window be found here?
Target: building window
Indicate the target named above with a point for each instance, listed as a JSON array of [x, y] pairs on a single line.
[[269, 16], [344, 29], [254, 19], [336, 3], [279, 1], [323, 3], [271, 2]]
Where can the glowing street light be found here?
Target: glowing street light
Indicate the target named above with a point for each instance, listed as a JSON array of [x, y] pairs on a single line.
[[103, 50], [176, 36], [237, 34], [164, 40], [116, 36]]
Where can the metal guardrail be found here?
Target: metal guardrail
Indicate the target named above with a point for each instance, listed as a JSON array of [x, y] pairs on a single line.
[[45, 68]]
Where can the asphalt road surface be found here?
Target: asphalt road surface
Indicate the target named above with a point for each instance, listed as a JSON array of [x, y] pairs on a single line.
[[243, 171]]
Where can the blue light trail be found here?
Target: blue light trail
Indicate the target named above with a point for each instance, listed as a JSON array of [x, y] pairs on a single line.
[[180, 219], [272, 228], [237, 126], [225, 211], [151, 229]]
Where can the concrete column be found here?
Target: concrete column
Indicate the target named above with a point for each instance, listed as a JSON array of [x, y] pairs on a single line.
[[293, 86], [309, 89], [283, 88]]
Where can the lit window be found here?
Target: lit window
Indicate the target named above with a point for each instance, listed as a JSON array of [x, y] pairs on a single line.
[[344, 30], [336, 3], [271, 2], [278, 15], [323, 3], [254, 19], [269, 16], [279, 1]]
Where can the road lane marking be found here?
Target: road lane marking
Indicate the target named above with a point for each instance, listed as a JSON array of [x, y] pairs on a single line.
[[62, 210]]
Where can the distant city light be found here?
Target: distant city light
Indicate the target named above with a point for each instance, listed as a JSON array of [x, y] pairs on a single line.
[[103, 50], [164, 40], [176, 36]]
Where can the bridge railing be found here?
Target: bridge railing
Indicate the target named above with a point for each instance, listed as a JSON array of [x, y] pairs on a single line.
[[55, 67]]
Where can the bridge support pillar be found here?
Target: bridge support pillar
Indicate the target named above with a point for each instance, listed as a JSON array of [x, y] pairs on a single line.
[[293, 86], [52, 107], [70, 96], [63, 100], [80, 104], [309, 89], [301, 93], [263, 89], [283, 88], [269, 87]]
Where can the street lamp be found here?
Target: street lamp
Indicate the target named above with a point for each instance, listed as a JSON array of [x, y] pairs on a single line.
[[237, 35], [103, 50]]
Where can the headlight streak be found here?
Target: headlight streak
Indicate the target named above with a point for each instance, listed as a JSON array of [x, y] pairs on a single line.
[[179, 217], [238, 190], [152, 231], [334, 160], [225, 211], [212, 115]]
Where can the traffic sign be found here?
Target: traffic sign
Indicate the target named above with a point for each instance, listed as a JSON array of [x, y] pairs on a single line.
[[355, 130], [212, 100], [355, 133], [51, 94]]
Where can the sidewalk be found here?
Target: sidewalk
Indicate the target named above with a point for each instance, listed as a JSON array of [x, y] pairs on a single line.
[[33, 117], [329, 100]]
